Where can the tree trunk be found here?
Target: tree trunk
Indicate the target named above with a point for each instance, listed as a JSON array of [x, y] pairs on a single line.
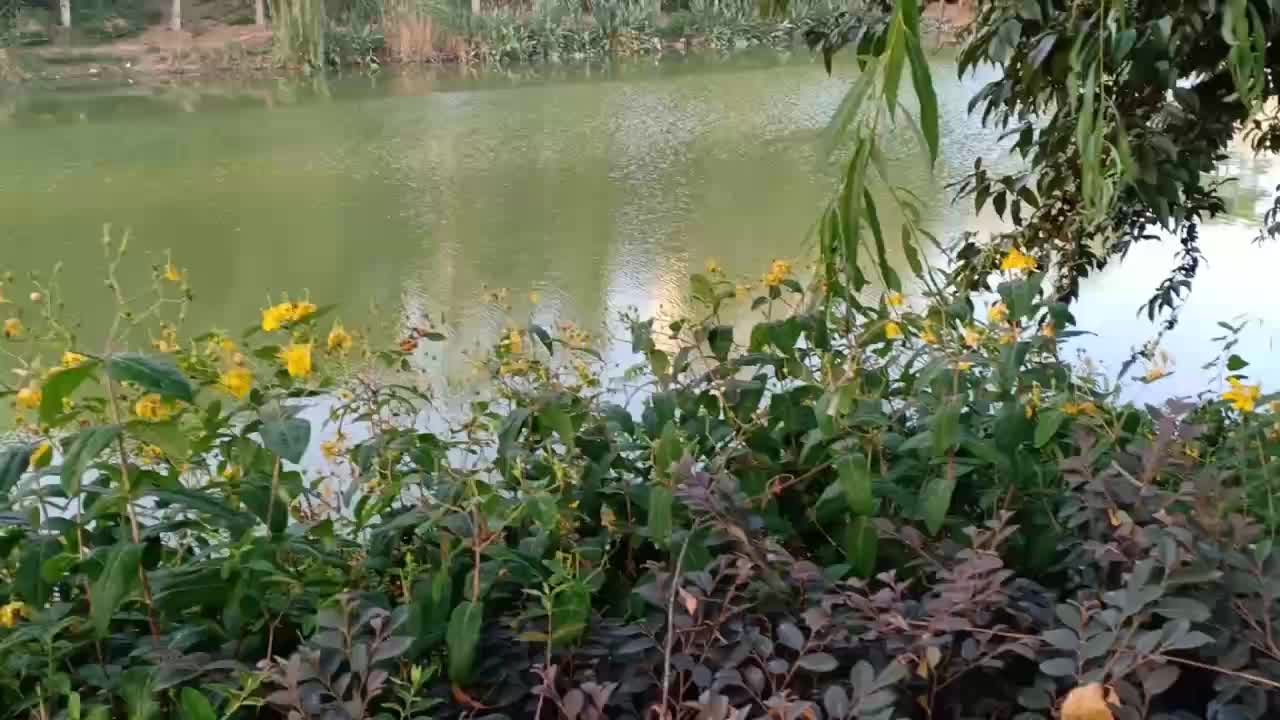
[[175, 17], [260, 12], [64, 12]]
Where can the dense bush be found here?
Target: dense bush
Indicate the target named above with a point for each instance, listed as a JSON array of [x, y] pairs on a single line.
[[898, 510], [805, 499]]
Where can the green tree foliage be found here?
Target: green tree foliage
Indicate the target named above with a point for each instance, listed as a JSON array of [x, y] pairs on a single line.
[[1120, 110]]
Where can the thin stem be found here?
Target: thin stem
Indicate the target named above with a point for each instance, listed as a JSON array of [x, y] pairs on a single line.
[[129, 507], [671, 624]]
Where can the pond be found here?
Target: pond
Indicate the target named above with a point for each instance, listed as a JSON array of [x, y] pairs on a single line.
[[416, 191]]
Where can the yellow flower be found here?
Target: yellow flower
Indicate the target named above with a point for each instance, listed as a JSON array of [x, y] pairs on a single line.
[[1242, 396], [28, 398], [534, 297], [232, 472], [339, 339], [72, 359], [894, 299], [300, 311], [13, 328], [168, 341], [712, 266], [972, 336], [779, 270], [237, 381], [297, 359], [152, 454], [1087, 702], [172, 273], [1086, 407], [333, 449], [515, 343], [153, 408], [892, 331], [1033, 400], [277, 316], [274, 317], [1155, 372], [40, 457], [1017, 260], [11, 613], [1048, 329], [997, 313], [962, 365]]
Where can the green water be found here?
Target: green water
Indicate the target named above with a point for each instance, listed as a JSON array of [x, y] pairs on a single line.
[[414, 191]]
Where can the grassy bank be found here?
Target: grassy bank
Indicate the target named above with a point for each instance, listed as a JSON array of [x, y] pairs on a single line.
[[123, 42]]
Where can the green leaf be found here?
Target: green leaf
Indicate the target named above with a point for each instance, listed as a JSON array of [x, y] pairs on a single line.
[[113, 586], [1235, 362], [84, 449], [554, 416], [210, 508], [922, 80], [153, 373], [14, 460], [195, 706], [861, 545], [720, 338], [667, 451], [856, 482], [59, 386], [936, 502], [168, 436], [29, 582], [285, 436], [945, 428], [887, 272], [462, 638], [896, 55], [660, 502], [1047, 425]]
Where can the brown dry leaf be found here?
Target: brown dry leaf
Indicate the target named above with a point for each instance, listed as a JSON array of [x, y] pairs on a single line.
[[1087, 702]]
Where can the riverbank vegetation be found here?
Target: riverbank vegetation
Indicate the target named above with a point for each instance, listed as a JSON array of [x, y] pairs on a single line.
[[316, 34], [906, 502]]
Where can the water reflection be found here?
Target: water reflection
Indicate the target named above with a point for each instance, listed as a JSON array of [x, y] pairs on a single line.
[[601, 188]]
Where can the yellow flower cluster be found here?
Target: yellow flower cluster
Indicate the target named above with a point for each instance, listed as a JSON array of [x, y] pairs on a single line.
[[712, 266], [28, 398], [997, 313], [72, 359], [171, 273], [779, 270], [13, 328], [237, 381], [12, 612], [332, 449], [153, 408], [296, 359], [1018, 261], [339, 339], [168, 340], [1242, 397], [894, 299], [574, 336], [277, 316], [892, 330], [514, 342], [1085, 407]]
